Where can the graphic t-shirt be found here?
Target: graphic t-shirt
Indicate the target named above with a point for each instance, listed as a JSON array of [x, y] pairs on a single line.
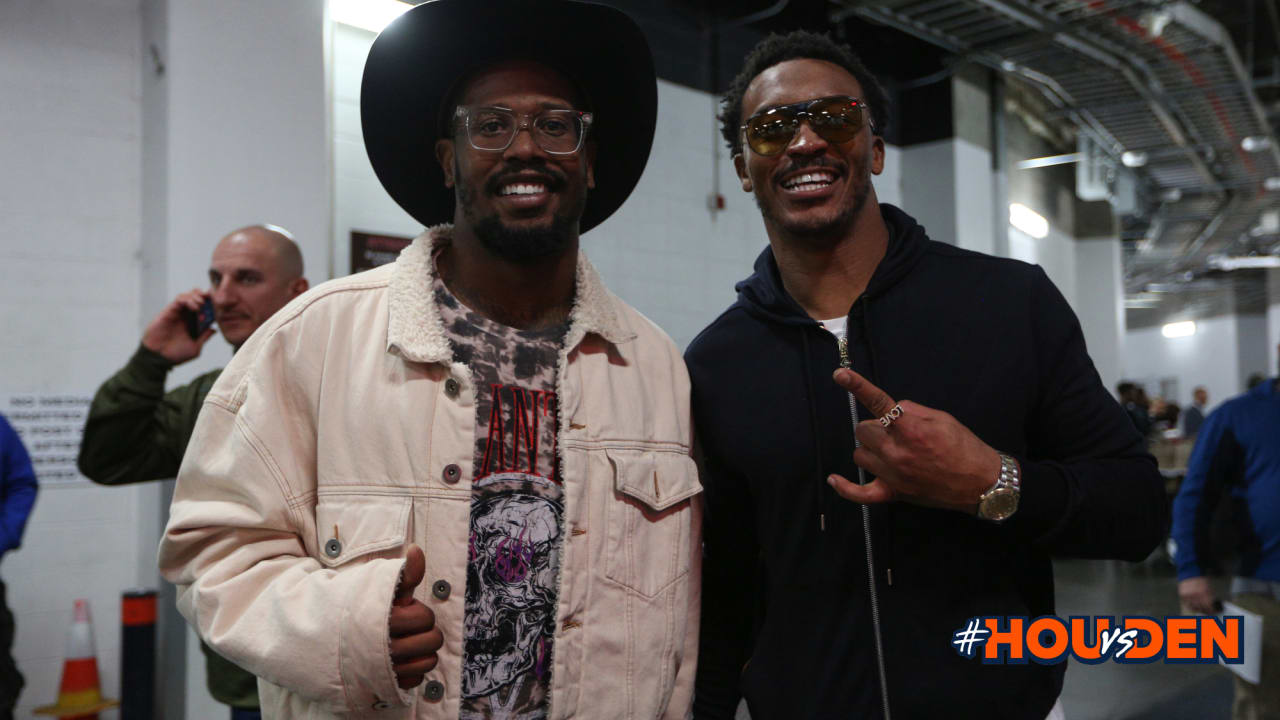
[[517, 504]]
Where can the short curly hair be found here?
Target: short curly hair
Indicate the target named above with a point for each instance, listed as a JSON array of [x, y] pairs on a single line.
[[791, 46]]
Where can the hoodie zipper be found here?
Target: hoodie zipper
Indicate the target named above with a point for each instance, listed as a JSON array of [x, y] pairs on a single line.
[[866, 529]]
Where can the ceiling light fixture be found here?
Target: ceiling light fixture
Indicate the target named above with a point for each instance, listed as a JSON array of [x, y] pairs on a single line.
[[371, 15], [1255, 143], [1048, 160], [1244, 262], [1028, 221], [1186, 328], [1133, 158]]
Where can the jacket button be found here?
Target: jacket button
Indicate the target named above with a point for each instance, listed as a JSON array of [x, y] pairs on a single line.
[[441, 589], [451, 473], [433, 691], [382, 705], [333, 548], [451, 388]]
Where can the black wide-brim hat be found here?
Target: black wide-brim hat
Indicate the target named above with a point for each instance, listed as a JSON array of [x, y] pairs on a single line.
[[416, 61]]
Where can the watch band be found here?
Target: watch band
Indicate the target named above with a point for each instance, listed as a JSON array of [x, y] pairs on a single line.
[[1010, 472], [1001, 501]]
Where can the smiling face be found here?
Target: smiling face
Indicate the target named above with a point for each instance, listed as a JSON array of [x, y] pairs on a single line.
[[523, 203], [814, 188]]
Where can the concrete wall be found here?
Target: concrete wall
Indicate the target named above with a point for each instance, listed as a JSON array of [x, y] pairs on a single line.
[[69, 273], [1099, 303], [1253, 353], [1273, 323], [1212, 357], [948, 185], [238, 134], [138, 132]]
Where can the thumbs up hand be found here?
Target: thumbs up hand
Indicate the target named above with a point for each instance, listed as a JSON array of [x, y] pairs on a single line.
[[414, 637]]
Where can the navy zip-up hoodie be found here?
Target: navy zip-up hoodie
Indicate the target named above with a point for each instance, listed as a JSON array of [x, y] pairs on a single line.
[[787, 619]]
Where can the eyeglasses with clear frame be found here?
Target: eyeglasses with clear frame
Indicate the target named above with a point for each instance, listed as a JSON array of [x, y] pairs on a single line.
[[558, 132], [837, 119]]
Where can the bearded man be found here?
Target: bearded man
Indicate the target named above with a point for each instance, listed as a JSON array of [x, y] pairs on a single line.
[[467, 472]]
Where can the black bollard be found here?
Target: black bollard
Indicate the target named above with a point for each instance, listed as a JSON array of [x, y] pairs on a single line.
[[138, 655]]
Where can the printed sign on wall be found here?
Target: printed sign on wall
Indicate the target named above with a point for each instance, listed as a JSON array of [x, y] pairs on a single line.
[[50, 425], [369, 250]]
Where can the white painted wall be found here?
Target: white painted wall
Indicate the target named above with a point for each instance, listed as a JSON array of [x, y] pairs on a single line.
[[974, 197], [118, 181], [927, 178], [1273, 323], [888, 184], [1056, 253], [238, 134], [948, 186], [69, 237], [1210, 358], [1273, 340], [359, 202], [1099, 303], [1253, 346]]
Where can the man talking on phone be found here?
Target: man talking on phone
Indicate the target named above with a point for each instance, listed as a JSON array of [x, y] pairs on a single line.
[[137, 432]]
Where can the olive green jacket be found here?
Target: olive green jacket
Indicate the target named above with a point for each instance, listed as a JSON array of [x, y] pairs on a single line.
[[138, 432]]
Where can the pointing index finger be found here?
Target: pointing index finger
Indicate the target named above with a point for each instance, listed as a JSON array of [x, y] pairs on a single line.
[[872, 397]]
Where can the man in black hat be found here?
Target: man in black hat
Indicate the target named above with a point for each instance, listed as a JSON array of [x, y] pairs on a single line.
[[471, 466]]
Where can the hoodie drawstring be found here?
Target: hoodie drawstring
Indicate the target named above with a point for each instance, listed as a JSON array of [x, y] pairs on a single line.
[[813, 422]]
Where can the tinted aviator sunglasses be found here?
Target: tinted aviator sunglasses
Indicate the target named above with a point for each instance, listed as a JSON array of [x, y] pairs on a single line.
[[836, 119]]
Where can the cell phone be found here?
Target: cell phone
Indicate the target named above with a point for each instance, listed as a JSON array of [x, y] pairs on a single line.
[[199, 321]]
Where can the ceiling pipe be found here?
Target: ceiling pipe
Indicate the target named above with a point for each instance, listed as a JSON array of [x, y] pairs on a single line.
[[1047, 86], [1125, 69], [1212, 30]]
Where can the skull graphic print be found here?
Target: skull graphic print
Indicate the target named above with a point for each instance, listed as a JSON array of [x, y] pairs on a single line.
[[511, 583], [517, 511]]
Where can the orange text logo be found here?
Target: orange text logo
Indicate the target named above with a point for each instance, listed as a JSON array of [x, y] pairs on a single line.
[[1134, 639]]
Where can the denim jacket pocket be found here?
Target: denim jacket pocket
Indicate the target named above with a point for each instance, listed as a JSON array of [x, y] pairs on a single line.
[[351, 526], [649, 518]]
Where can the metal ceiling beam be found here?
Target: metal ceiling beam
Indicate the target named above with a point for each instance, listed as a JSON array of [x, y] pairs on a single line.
[[1124, 67], [1047, 86], [1209, 29]]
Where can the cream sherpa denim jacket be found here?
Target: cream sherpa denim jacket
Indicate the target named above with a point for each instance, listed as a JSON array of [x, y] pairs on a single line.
[[337, 421]]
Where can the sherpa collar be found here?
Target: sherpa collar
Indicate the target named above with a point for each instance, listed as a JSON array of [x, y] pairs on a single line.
[[417, 332]]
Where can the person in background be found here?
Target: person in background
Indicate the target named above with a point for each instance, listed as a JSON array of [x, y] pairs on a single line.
[[137, 432], [1164, 415], [1236, 459], [1134, 400], [1193, 417], [17, 497]]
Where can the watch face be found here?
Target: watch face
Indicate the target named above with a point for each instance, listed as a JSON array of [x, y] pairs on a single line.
[[999, 504]]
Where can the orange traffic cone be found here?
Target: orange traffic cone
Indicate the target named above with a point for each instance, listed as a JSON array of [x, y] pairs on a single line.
[[80, 696]]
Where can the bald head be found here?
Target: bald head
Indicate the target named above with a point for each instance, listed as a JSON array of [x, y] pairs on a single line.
[[274, 241], [255, 271]]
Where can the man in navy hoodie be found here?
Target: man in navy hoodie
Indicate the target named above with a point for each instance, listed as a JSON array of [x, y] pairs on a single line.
[[985, 441]]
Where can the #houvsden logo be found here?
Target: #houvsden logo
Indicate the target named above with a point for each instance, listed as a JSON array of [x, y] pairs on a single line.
[[1133, 639]]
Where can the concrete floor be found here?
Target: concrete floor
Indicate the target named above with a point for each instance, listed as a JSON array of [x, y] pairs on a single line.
[[1114, 691]]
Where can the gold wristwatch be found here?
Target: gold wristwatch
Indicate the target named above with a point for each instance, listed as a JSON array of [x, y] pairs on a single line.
[[1001, 501]]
